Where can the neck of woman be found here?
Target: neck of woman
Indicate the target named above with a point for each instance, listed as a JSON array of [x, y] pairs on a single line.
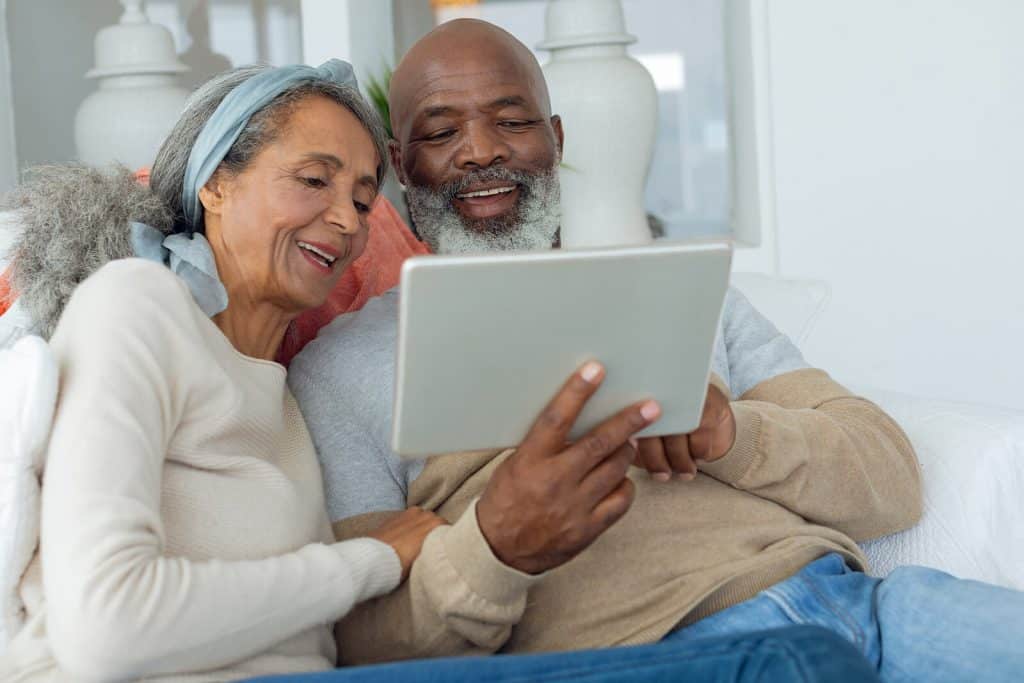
[[256, 329]]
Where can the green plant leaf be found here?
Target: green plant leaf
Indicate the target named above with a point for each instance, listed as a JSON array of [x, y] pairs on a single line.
[[377, 88]]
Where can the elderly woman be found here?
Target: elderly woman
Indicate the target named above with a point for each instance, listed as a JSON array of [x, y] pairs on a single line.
[[183, 522]]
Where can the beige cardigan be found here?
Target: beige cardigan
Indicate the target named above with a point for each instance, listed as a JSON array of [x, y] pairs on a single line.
[[813, 470]]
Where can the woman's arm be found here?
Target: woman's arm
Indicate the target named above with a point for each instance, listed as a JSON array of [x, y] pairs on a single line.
[[117, 605], [459, 600]]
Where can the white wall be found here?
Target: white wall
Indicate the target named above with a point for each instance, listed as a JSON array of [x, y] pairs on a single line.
[[51, 49], [358, 31], [899, 143], [8, 153]]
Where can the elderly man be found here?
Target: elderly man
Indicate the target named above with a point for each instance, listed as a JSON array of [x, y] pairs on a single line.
[[750, 521]]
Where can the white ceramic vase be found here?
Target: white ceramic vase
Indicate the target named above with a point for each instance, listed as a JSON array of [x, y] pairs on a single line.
[[609, 108], [139, 98]]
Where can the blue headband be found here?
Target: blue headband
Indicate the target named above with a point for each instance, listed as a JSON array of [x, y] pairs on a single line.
[[234, 112]]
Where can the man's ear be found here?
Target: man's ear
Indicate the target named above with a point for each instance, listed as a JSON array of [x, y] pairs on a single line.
[[556, 123], [395, 152], [211, 195]]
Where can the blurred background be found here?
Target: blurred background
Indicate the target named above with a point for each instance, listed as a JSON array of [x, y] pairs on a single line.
[[888, 145], [679, 41]]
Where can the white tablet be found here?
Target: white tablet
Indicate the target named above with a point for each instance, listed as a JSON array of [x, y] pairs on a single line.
[[486, 341]]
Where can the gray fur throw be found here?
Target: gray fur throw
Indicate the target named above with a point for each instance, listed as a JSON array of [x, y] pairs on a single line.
[[75, 219]]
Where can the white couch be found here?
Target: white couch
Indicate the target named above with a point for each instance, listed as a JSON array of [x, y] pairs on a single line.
[[972, 459], [27, 399]]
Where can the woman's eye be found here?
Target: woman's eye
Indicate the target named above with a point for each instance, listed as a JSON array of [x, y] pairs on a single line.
[[361, 208], [314, 182]]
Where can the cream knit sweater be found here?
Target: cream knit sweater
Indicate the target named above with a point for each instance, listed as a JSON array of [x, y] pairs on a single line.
[[184, 533]]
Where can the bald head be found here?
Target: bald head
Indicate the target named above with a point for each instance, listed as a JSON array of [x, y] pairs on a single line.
[[455, 50], [475, 142]]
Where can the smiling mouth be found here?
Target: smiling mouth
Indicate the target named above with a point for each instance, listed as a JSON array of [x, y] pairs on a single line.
[[490, 192], [486, 203], [317, 255]]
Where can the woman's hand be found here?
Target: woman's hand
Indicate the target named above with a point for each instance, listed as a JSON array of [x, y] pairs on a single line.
[[405, 532]]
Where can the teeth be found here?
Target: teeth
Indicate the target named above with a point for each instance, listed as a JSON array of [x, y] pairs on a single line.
[[486, 193], [326, 257]]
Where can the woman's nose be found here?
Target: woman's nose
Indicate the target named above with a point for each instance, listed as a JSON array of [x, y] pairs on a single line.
[[343, 215]]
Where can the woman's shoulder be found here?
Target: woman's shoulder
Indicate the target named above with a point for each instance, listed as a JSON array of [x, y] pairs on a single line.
[[131, 293], [135, 278]]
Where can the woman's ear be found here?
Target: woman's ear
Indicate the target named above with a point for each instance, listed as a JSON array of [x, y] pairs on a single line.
[[211, 195]]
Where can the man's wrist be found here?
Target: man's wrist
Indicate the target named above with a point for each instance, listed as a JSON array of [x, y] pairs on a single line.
[[745, 449], [471, 555], [491, 529]]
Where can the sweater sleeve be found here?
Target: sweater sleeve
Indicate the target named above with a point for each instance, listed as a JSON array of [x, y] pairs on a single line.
[[117, 605], [805, 442], [459, 600]]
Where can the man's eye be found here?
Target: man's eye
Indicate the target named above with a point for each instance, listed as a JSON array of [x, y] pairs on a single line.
[[440, 135], [314, 182], [515, 123]]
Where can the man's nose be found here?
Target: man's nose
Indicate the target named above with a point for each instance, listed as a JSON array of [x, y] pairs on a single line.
[[482, 146]]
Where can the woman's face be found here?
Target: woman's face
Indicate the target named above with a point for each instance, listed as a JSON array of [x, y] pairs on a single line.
[[284, 230]]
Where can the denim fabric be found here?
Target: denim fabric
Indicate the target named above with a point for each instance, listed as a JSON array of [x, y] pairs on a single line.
[[791, 655], [917, 624]]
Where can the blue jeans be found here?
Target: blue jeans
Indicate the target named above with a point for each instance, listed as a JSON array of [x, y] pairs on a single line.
[[791, 655], [916, 625]]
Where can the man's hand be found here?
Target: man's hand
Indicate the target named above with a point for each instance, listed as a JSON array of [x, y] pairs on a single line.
[[664, 455], [405, 533], [550, 500]]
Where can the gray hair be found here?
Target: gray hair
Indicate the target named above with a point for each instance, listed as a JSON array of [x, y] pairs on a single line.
[[75, 218], [168, 175]]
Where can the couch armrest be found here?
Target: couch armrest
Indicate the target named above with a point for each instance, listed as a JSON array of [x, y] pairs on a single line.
[[972, 463]]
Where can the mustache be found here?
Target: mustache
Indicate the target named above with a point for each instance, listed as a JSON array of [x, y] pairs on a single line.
[[447, 191]]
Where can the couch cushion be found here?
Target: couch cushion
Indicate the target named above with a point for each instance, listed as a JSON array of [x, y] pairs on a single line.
[[972, 461], [972, 466], [793, 305], [26, 410]]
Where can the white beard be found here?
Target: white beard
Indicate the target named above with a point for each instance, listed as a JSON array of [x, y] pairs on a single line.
[[531, 226]]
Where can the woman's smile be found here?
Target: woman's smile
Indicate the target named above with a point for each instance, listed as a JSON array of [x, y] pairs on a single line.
[[321, 256]]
